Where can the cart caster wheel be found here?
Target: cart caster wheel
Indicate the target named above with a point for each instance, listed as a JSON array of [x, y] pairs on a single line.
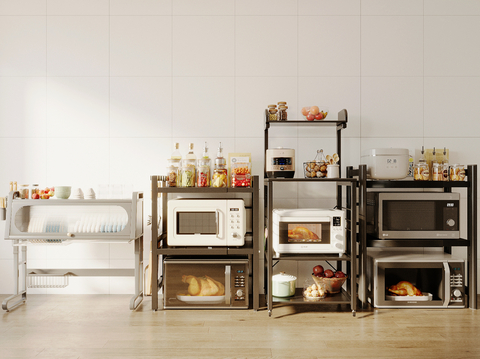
[[269, 313], [354, 313]]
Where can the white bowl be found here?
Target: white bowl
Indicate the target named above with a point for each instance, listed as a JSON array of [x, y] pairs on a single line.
[[63, 192]]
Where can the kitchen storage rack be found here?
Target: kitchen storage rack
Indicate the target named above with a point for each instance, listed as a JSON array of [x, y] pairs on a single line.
[[348, 296], [56, 222], [160, 250], [365, 241]]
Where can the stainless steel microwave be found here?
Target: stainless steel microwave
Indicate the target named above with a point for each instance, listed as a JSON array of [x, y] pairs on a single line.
[[415, 279], [422, 215]]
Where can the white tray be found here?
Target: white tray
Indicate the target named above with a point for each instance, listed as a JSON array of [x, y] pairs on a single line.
[[400, 298], [191, 299]]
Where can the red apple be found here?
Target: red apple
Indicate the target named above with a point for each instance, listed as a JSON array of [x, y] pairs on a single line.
[[317, 269], [45, 196], [328, 273], [339, 274], [319, 116], [35, 196], [310, 117]]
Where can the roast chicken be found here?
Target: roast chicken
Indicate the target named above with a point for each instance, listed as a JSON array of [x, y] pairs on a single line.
[[203, 286], [404, 288], [299, 233]]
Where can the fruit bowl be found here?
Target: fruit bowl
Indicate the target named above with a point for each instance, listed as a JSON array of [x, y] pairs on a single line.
[[333, 285], [314, 113]]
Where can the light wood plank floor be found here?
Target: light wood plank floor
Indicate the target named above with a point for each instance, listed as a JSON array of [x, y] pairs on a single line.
[[102, 326]]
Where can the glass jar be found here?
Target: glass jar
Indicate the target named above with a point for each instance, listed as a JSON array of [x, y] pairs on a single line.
[[35, 191], [240, 175], [24, 191], [172, 172], [272, 115], [437, 172], [186, 174], [282, 113], [219, 177], [203, 172], [420, 172], [457, 172]]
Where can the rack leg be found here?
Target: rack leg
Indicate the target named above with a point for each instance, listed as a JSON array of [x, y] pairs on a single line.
[[20, 301], [20, 273], [137, 299]]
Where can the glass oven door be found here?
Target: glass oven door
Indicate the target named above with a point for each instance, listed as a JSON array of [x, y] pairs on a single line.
[[195, 283]]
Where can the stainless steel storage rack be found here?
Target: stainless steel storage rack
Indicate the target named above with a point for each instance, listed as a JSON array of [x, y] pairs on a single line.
[[63, 221]]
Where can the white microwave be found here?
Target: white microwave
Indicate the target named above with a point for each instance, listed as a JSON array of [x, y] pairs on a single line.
[[308, 230], [206, 222]]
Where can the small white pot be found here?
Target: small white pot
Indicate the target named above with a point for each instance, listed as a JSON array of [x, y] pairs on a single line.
[[283, 285]]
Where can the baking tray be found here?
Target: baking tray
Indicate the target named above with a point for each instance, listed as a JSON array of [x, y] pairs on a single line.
[[403, 298]]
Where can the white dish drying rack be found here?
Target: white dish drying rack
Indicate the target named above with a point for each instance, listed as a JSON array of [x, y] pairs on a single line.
[[64, 221]]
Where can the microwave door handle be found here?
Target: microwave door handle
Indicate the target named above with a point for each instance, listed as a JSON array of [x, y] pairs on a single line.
[[446, 280], [228, 276], [217, 222]]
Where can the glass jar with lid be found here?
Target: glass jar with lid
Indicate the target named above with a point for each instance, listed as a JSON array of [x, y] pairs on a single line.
[[457, 172], [203, 172], [35, 191], [24, 191], [186, 173], [437, 172], [421, 172], [219, 176], [282, 113], [172, 172]]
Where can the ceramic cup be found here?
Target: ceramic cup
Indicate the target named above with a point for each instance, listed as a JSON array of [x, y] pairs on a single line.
[[333, 171]]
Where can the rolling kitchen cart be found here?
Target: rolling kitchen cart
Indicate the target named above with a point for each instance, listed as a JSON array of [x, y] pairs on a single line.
[[165, 255], [64, 221], [470, 185], [348, 296]]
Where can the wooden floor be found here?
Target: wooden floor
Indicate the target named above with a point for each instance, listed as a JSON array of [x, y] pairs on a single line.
[[102, 326]]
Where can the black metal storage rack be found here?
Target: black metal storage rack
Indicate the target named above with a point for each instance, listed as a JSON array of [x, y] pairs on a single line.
[[470, 242], [250, 251], [348, 296]]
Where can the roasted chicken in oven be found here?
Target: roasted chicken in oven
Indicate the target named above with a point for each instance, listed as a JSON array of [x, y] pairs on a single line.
[[203, 286], [301, 233], [404, 288]]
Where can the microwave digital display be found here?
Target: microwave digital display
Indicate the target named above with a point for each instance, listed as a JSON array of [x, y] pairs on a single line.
[[196, 223]]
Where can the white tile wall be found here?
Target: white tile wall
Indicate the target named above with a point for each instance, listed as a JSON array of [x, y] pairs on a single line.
[[97, 92]]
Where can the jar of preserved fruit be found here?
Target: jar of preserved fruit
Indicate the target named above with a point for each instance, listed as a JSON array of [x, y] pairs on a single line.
[[240, 174], [203, 172], [172, 172], [219, 176], [282, 113], [186, 174], [35, 191], [24, 191], [420, 172], [437, 172], [457, 172]]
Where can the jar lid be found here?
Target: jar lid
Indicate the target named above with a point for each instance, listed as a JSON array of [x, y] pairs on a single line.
[[272, 106], [283, 277], [273, 110], [282, 103]]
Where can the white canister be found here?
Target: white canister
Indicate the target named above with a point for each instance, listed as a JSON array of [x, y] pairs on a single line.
[[333, 171], [283, 285]]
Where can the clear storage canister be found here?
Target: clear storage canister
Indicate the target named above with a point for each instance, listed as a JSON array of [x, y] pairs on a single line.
[[24, 191], [186, 174], [172, 172], [35, 190], [203, 172], [420, 172], [457, 172], [240, 175], [437, 172], [219, 177]]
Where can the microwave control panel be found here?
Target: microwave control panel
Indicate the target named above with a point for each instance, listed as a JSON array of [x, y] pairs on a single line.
[[236, 226], [457, 284]]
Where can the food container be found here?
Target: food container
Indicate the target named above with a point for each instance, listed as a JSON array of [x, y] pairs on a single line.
[[24, 191], [313, 291], [186, 174], [386, 163], [316, 168], [63, 192], [457, 172], [241, 174], [420, 172], [283, 285], [203, 172], [333, 285], [172, 172]]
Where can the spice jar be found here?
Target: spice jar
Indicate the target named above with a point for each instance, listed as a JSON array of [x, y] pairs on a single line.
[[186, 173], [172, 171], [457, 172], [272, 114], [282, 113], [420, 172], [24, 191], [240, 175]]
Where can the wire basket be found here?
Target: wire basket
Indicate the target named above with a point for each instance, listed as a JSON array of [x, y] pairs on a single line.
[[47, 280]]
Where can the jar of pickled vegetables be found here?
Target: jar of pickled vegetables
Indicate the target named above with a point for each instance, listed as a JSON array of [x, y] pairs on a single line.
[[240, 175], [219, 177], [457, 172], [186, 174], [203, 172]]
